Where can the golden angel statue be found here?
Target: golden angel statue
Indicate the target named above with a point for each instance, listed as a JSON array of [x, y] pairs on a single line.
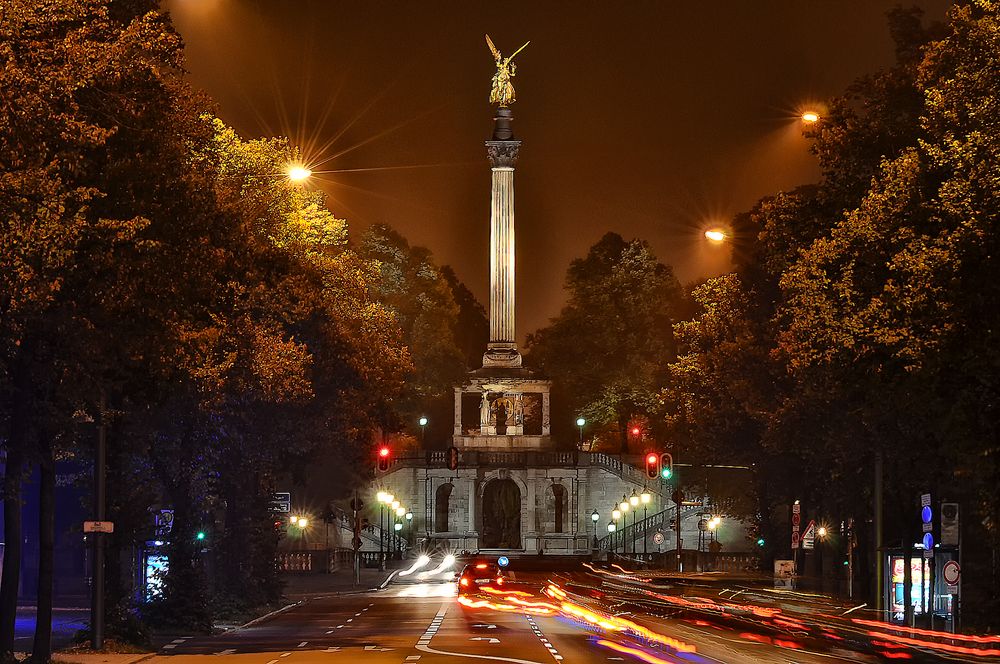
[[503, 89]]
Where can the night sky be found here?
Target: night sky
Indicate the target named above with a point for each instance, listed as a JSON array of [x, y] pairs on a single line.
[[652, 119]]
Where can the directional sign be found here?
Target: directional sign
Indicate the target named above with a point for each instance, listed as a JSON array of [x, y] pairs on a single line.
[[98, 527], [281, 502], [488, 639]]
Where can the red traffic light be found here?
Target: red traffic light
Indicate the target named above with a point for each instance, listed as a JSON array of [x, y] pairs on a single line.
[[636, 431], [652, 465], [383, 459]]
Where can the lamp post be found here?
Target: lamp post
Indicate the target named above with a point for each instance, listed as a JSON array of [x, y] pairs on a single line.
[[623, 506], [633, 502], [409, 527], [595, 517], [615, 515], [423, 428], [645, 498], [580, 422]]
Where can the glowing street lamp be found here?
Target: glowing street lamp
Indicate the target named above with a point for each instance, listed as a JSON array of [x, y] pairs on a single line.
[[394, 504], [380, 496], [633, 500], [303, 522], [580, 422], [400, 511], [715, 235], [810, 117], [298, 173]]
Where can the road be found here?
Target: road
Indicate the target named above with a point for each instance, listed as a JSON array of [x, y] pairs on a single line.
[[546, 618]]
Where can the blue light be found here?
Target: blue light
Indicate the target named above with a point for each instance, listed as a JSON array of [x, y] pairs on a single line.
[[926, 514], [503, 561], [928, 541]]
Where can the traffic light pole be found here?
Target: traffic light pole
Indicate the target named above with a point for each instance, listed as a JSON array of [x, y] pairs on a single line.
[[100, 512]]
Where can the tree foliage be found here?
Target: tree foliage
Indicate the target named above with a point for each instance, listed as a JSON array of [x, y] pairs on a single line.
[[607, 348]]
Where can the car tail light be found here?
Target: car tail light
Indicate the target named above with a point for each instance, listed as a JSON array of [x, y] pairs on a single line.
[[464, 581]]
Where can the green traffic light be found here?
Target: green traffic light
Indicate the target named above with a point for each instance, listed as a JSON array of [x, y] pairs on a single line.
[[666, 473], [760, 541], [200, 535]]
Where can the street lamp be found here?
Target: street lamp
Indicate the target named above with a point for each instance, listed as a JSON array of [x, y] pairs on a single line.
[[645, 498], [580, 422], [298, 173], [423, 428], [595, 517], [616, 514], [810, 117], [623, 506], [715, 235]]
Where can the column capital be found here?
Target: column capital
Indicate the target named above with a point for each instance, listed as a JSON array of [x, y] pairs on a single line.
[[502, 154]]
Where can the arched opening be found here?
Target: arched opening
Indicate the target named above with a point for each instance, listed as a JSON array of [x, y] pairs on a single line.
[[442, 498], [501, 515], [558, 492]]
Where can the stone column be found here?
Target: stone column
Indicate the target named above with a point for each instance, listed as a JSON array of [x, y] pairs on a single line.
[[458, 411], [502, 152]]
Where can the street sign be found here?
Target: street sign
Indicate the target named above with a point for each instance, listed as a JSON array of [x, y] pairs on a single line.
[[951, 573], [163, 523], [795, 540], [98, 527], [357, 504], [658, 539], [281, 502], [796, 518], [809, 536], [503, 561]]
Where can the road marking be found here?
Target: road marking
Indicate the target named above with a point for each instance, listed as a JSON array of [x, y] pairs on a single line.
[[357, 614], [378, 648], [423, 644], [303, 644], [273, 661], [350, 620], [333, 649], [545, 642], [228, 651], [412, 658], [285, 654]]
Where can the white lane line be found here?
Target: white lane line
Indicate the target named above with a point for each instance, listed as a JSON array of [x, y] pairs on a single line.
[[227, 651], [273, 661], [303, 644], [412, 658], [333, 649], [423, 644], [545, 642], [169, 646], [285, 654], [357, 614], [350, 620]]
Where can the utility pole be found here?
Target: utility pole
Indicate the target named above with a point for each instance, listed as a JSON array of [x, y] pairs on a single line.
[[100, 513], [879, 563]]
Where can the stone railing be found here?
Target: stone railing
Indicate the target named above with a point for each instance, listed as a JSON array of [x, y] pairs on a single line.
[[489, 458]]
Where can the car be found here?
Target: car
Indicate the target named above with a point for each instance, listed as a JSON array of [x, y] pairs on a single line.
[[479, 575]]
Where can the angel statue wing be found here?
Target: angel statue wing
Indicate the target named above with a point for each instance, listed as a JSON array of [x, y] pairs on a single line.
[[496, 53]]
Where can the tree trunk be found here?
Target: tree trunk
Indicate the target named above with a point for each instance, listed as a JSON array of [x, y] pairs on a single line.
[[41, 652], [12, 550]]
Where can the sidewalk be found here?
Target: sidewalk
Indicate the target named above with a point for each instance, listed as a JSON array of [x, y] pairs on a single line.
[[304, 586]]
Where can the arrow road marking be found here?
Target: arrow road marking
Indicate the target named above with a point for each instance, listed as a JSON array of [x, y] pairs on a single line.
[[484, 626], [377, 648], [488, 639]]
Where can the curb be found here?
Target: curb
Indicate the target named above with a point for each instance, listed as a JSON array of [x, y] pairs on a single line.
[[266, 616]]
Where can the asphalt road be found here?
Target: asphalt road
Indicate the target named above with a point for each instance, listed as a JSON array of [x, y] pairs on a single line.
[[545, 618]]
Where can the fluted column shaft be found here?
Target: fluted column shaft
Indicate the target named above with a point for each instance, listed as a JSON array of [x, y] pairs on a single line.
[[502, 257]]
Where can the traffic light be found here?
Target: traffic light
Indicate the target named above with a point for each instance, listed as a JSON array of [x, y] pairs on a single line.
[[666, 465], [452, 458], [200, 536], [652, 465], [384, 457]]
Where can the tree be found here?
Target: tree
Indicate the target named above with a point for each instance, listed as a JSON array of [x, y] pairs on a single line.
[[423, 303], [901, 300], [607, 349]]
